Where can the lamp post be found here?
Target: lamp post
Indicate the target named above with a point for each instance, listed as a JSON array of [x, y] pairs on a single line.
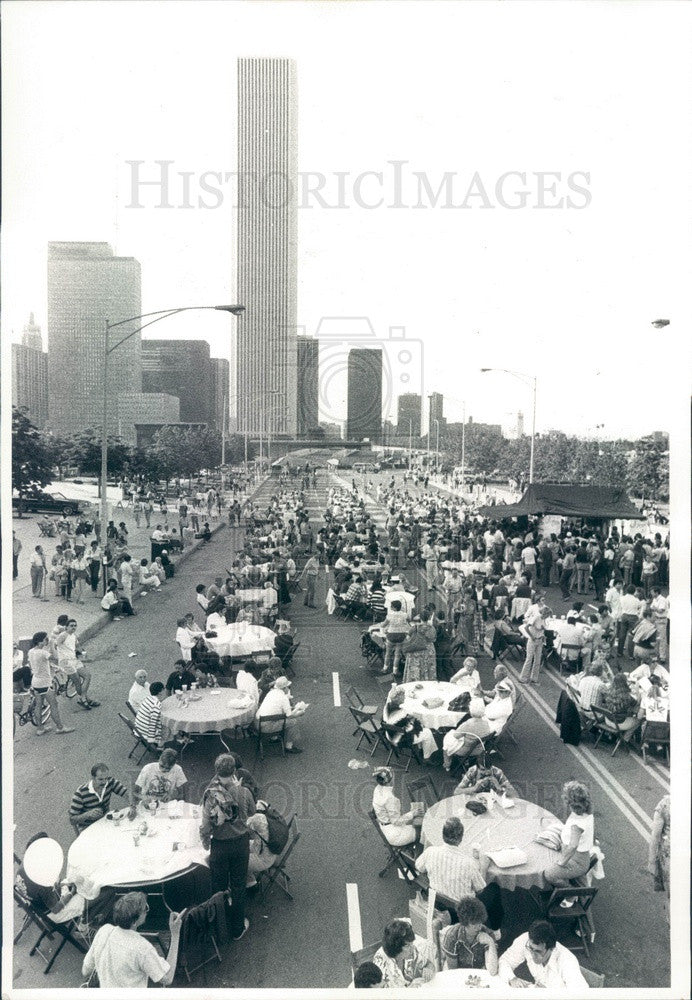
[[410, 444], [463, 449], [437, 446], [527, 380], [270, 427], [108, 349]]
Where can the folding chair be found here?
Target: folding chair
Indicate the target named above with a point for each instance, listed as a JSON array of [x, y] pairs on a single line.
[[507, 729], [397, 751], [423, 790], [140, 741], [277, 874], [596, 980], [130, 707], [357, 702], [566, 662], [48, 929], [365, 954], [340, 606], [577, 913], [368, 729], [658, 734], [264, 736], [608, 723], [204, 942], [400, 858], [287, 661]]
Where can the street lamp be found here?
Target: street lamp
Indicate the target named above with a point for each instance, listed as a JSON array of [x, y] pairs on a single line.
[[463, 450], [527, 380], [159, 314], [437, 446]]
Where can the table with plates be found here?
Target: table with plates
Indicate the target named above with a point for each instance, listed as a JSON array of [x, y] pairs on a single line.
[[250, 595], [467, 568], [209, 710], [461, 982], [242, 639], [561, 630], [115, 852], [418, 692], [494, 830]]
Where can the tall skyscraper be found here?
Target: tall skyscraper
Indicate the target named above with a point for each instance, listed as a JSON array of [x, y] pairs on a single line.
[[408, 417], [364, 404], [266, 343], [181, 368], [308, 385], [30, 375], [520, 424], [435, 412], [220, 373], [88, 285]]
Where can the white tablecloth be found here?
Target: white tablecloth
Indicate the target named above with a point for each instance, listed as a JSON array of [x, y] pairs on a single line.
[[453, 982], [433, 718], [241, 639], [250, 596], [495, 829], [105, 854], [217, 709], [467, 568]]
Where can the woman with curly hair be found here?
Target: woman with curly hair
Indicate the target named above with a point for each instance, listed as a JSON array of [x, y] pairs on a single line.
[[403, 958], [577, 836]]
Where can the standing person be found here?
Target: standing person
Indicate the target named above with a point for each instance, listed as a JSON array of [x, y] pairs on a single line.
[[660, 609], [93, 558], [37, 570], [42, 683], [137, 509], [583, 568], [568, 563], [420, 662], [16, 549], [535, 626], [80, 574], [148, 510], [659, 851], [226, 807], [65, 574], [312, 568], [126, 575]]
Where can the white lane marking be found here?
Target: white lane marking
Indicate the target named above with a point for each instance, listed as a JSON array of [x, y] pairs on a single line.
[[610, 786], [355, 931], [336, 689]]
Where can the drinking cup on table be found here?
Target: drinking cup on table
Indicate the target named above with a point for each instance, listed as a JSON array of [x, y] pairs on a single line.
[[186, 687]]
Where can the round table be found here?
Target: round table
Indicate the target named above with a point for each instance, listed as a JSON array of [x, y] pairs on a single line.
[[496, 829], [252, 595], [217, 709], [434, 718], [455, 982], [242, 639], [467, 568], [106, 853]]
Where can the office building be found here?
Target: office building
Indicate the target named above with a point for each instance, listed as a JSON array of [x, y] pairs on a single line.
[[308, 385], [332, 430], [181, 368], [408, 417], [221, 387], [157, 408], [266, 343], [87, 286], [520, 424], [364, 405], [30, 375], [435, 411]]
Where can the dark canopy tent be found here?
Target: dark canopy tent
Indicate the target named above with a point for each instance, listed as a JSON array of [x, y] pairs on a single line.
[[568, 501]]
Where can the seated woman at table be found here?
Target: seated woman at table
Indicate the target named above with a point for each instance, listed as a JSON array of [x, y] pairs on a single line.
[[469, 944], [504, 635], [617, 698], [187, 635], [250, 614], [376, 603], [420, 663], [245, 679], [271, 673], [180, 677], [408, 730], [404, 959], [501, 707], [163, 780], [398, 828], [467, 739], [216, 617], [576, 836], [468, 678], [484, 777]]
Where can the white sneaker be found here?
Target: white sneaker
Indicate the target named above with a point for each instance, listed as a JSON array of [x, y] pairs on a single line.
[[244, 930]]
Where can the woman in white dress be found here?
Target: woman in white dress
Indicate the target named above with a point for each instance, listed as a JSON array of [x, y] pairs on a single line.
[[398, 828], [577, 836]]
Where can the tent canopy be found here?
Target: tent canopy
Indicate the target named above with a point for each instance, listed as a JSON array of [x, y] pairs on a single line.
[[568, 501]]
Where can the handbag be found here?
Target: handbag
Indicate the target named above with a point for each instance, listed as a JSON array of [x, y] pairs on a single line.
[[415, 643]]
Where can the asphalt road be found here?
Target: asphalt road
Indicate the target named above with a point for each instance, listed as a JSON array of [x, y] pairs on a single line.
[[305, 942]]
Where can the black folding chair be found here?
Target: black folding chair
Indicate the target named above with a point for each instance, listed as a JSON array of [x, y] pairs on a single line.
[[577, 913], [357, 702], [365, 954], [266, 734], [130, 707], [423, 790], [48, 929], [140, 741], [396, 750], [401, 858], [369, 730], [205, 947], [277, 874]]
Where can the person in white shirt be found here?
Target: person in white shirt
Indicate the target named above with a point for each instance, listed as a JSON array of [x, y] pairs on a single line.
[[139, 690], [270, 600], [126, 576], [187, 635], [500, 708], [577, 836], [246, 681], [660, 609], [147, 576], [613, 599], [468, 678], [550, 964], [162, 780], [215, 621], [277, 702], [202, 598], [397, 593]]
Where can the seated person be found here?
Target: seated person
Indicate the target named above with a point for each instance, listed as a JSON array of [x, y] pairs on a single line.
[[484, 777], [573, 633], [271, 673], [501, 673], [261, 856], [644, 637], [163, 780], [148, 719], [367, 976], [550, 964], [139, 690], [404, 959], [399, 828], [617, 698], [21, 689], [114, 603], [245, 679], [187, 635], [408, 731], [467, 739], [277, 702], [202, 598], [216, 619], [357, 595], [505, 635], [284, 640], [376, 601], [646, 669], [180, 677], [500, 708], [468, 678], [92, 801], [146, 577], [469, 944], [270, 601], [590, 685]]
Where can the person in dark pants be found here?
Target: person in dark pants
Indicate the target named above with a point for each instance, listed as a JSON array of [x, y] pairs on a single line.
[[226, 805]]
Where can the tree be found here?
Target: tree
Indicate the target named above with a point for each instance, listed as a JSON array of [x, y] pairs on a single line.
[[85, 451], [59, 451], [185, 451], [648, 472], [32, 467]]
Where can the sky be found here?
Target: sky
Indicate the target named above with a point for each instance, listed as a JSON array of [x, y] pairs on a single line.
[[589, 102]]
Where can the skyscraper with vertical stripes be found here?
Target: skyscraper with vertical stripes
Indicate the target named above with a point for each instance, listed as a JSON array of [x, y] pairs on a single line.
[[266, 342]]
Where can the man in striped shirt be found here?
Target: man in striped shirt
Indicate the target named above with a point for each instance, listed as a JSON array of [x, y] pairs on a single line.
[[148, 718], [92, 801]]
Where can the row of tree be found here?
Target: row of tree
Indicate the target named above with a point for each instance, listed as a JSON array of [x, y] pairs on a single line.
[[175, 452]]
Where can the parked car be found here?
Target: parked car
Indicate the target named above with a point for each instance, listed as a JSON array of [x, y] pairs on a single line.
[[39, 502]]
